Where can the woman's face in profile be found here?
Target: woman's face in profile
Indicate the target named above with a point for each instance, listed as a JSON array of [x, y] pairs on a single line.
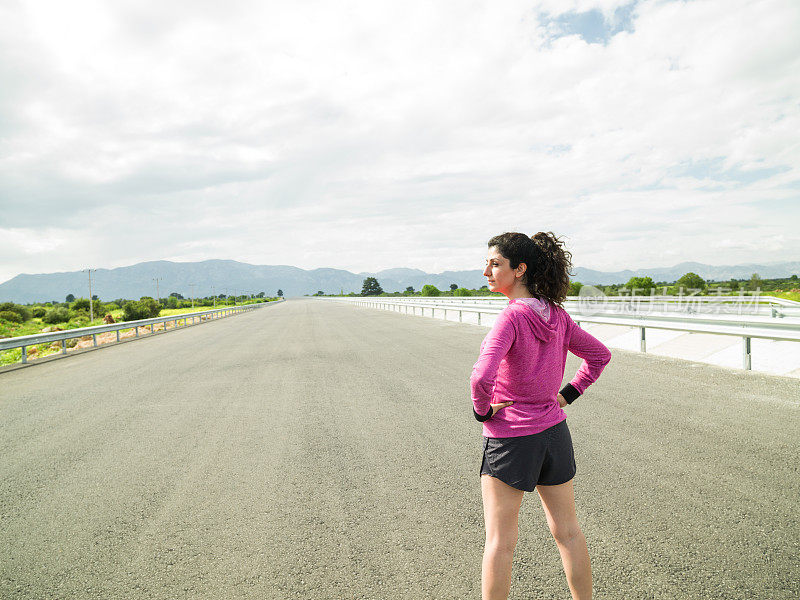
[[500, 277]]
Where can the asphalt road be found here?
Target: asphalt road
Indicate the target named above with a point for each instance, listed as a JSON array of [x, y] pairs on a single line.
[[315, 450]]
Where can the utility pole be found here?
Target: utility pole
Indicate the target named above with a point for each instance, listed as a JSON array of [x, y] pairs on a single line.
[[191, 285], [213, 296], [91, 302], [158, 296]]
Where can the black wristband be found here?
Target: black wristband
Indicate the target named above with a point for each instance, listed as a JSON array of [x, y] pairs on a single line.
[[482, 417], [570, 393]]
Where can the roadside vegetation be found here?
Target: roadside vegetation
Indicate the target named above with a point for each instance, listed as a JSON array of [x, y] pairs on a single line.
[[688, 284], [29, 319]]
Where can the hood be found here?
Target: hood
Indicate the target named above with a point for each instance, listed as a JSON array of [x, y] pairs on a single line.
[[541, 315]]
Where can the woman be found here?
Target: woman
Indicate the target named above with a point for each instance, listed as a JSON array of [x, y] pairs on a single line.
[[527, 444]]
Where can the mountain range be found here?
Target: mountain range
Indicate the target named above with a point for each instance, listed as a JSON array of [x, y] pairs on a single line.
[[232, 277]]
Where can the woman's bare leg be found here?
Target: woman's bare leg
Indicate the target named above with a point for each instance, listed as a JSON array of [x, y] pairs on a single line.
[[501, 504], [558, 502]]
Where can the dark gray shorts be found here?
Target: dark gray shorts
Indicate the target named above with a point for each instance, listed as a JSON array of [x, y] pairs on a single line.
[[544, 458]]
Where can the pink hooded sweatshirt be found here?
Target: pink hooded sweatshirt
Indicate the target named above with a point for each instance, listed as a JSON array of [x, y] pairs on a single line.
[[522, 360]]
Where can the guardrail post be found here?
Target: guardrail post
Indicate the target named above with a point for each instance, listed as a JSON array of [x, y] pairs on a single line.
[[94, 340], [117, 334], [24, 355], [152, 328], [746, 353], [642, 342], [479, 317], [459, 317], [445, 314], [64, 344]]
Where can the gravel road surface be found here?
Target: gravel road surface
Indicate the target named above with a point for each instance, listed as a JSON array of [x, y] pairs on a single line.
[[315, 450]]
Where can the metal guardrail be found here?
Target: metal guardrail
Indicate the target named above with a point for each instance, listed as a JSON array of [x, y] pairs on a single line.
[[24, 341], [747, 329], [414, 305], [742, 304]]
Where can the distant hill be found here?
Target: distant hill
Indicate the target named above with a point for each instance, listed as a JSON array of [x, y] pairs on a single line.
[[233, 277], [707, 272]]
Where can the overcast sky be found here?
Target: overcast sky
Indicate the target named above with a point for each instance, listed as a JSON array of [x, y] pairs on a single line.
[[371, 134]]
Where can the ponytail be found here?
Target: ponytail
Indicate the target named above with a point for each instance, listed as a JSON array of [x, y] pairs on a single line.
[[550, 276]]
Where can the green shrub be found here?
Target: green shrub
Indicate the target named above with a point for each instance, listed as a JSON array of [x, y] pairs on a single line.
[[133, 311], [462, 292], [23, 311], [100, 309], [112, 306], [56, 315], [10, 315], [38, 312], [430, 290], [80, 304], [146, 308]]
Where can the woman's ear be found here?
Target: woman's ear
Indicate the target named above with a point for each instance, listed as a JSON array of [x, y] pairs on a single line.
[[521, 269]]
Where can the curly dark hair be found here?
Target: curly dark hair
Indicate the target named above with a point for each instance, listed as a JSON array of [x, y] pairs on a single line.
[[548, 262]]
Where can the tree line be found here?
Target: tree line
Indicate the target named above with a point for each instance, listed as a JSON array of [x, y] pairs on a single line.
[[689, 283]]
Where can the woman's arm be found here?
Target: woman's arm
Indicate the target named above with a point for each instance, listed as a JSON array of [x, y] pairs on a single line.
[[595, 357], [484, 373]]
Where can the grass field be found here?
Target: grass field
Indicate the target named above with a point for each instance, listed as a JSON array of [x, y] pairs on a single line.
[[785, 295]]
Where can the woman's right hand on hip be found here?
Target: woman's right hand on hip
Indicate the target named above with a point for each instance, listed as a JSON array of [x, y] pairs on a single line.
[[496, 407]]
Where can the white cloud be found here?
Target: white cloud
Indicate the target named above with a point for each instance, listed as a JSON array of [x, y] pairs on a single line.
[[366, 135]]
